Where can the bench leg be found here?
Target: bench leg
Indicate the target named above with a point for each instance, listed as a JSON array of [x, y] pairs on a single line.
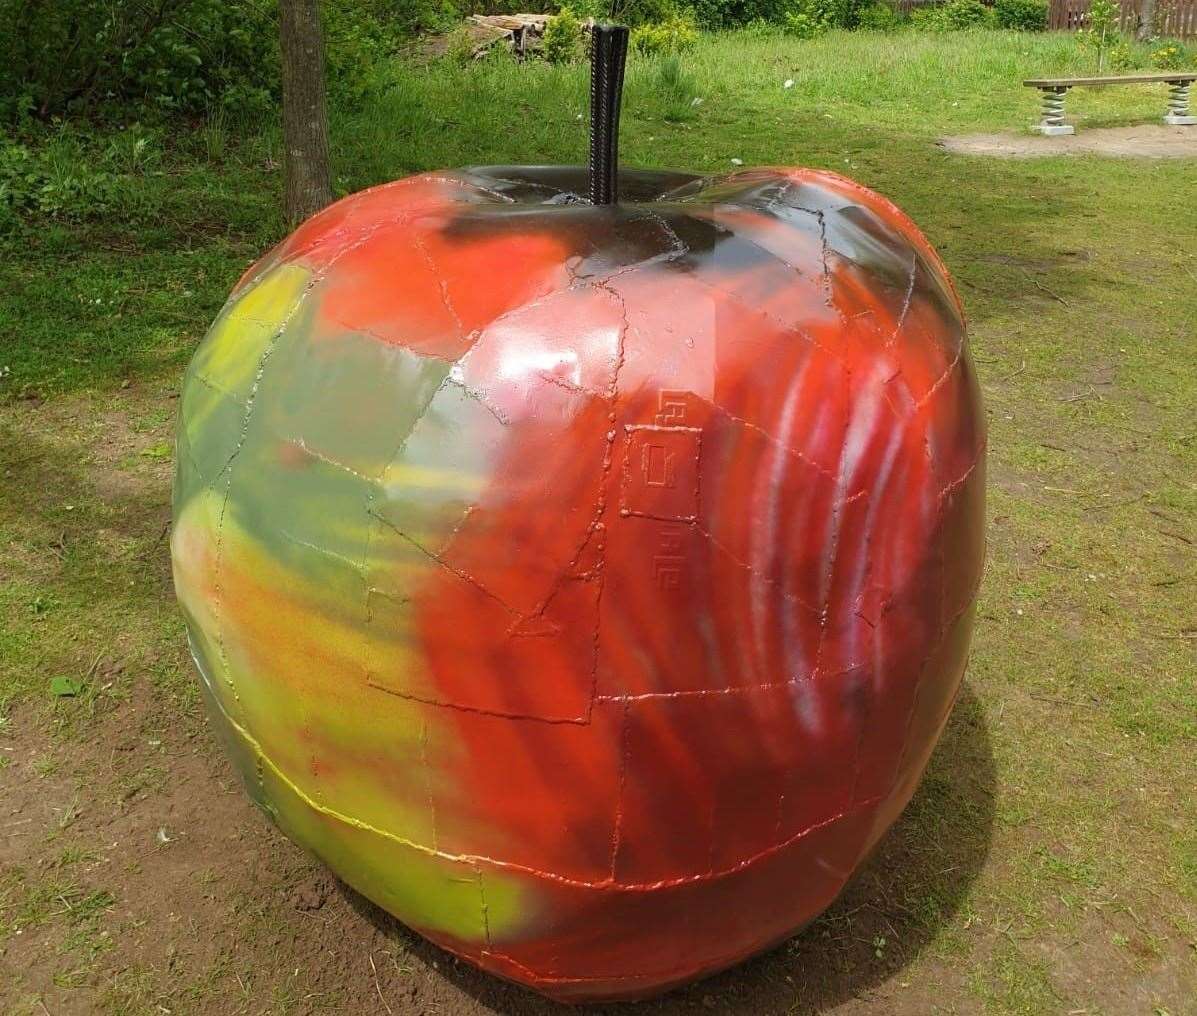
[[1178, 105], [1052, 119]]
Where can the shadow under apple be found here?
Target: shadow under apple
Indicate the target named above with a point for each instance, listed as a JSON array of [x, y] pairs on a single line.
[[914, 884]]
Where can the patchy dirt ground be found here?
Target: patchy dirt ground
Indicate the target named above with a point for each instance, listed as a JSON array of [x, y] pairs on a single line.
[[211, 910], [136, 877], [1048, 863], [1143, 141]]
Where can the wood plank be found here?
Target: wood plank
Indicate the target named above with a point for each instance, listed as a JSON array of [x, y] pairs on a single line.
[[1130, 79], [510, 22], [1172, 17]]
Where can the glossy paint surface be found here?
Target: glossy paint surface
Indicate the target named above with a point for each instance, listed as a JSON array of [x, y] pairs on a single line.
[[587, 586]]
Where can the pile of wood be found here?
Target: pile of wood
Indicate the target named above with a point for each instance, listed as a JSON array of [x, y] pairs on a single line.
[[521, 33]]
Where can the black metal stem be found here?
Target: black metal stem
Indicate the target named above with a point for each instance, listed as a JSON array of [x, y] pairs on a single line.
[[608, 53]]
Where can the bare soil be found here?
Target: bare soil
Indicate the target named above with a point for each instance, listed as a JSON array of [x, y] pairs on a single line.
[[209, 900], [136, 876], [1143, 141], [210, 909], [140, 879]]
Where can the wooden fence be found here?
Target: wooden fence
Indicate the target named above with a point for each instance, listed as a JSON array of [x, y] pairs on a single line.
[[1174, 19]]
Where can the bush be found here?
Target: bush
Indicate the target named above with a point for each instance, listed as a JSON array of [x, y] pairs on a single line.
[[562, 37], [758, 28], [1101, 33], [879, 17], [1122, 58], [642, 12], [583, 9], [767, 16], [71, 177], [1169, 56], [401, 18], [131, 57], [459, 46], [1021, 15], [678, 33], [806, 20], [954, 16], [713, 14], [76, 55], [355, 51]]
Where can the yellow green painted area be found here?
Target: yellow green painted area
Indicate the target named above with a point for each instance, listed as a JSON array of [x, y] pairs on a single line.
[[231, 353], [309, 501], [344, 768], [432, 891]]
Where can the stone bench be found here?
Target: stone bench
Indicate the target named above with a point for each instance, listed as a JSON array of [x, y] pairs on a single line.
[[1053, 91]]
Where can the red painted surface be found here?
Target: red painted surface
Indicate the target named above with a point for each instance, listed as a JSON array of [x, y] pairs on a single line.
[[697, 636]]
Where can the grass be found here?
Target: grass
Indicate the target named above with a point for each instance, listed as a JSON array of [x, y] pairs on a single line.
[[1072, 818]]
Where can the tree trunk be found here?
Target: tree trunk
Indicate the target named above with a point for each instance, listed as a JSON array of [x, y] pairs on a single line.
[[305, 118], [1146, 27]]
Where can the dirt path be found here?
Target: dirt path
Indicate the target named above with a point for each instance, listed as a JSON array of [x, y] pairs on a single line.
[[1144, 141]]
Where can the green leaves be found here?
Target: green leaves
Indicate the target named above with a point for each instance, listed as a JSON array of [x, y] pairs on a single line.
[[65, 687]]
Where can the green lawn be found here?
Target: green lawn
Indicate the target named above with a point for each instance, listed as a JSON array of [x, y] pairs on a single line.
[[1048, 865]]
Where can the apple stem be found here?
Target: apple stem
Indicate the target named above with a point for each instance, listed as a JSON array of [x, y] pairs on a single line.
[[608, 53]]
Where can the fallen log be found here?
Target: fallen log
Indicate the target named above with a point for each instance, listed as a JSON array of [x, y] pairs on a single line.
[[522, 33]]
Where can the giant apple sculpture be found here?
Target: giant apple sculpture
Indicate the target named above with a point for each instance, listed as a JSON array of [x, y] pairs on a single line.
[[586, 584]]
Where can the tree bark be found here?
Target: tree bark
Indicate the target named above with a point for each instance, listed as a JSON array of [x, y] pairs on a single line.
[[1146, 27], [306, 179]]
